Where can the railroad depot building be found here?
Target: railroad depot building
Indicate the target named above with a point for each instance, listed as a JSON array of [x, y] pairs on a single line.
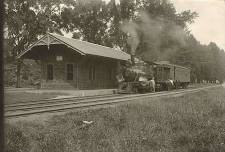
[[68, 63]]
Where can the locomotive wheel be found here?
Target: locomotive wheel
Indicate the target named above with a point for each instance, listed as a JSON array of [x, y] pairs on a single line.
[[135, 90], [168, 88], [140, 91], [150, 89]]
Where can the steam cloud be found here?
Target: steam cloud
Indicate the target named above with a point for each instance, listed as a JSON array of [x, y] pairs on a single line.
[[133, 40], [155, 33]]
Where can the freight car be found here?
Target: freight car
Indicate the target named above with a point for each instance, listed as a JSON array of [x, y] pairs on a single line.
[[169, 76]]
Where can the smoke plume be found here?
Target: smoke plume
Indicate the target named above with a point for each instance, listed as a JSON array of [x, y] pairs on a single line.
[[159, 37], [131, 28]]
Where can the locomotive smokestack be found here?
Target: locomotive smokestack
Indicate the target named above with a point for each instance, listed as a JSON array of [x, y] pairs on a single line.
[[132, 41], [131, 28]]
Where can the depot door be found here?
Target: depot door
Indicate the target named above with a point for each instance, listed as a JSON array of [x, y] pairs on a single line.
[[72, 74]]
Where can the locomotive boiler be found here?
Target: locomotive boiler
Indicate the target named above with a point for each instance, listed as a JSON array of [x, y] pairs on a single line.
[[136, 78]]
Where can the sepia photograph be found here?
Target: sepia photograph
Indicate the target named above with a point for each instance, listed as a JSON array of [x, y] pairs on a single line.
[[114, 76]]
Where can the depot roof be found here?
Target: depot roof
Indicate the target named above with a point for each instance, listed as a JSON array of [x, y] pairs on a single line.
[[82, 47]]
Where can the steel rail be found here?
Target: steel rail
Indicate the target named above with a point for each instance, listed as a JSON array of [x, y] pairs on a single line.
[[72, 102], [50, 100], [68, 101], [105, 101], [45, 101]]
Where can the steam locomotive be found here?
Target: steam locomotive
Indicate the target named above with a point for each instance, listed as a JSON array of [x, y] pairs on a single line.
[[153, 76]]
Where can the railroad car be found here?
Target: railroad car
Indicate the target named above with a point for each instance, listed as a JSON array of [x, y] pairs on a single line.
[[168, 76]]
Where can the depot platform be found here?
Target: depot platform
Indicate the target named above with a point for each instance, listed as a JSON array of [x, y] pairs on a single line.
[[63, 93]]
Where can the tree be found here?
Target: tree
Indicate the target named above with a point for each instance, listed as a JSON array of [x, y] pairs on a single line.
[[215, 62], [87, 19], [98, 22], [161, 30], [25, 21]]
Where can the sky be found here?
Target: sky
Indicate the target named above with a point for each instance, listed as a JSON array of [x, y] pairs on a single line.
[[210, 24]]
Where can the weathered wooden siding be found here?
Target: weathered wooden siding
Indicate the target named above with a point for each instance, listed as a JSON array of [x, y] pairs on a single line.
[[80, 70], [182, 74], [102, 78], [179, 74]]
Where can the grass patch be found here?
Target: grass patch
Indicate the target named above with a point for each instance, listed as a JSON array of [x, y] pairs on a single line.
[[198, 85], [17, 97], [190, 123]]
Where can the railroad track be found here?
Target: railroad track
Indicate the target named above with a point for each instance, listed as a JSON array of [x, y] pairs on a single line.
[[50, 101], [59, 105]]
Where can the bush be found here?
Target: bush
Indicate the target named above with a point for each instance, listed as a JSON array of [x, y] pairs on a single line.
[[15, 140], [30, 74]]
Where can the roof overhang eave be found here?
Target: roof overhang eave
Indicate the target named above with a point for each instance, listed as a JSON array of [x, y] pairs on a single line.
[[24, 52], [75, 49], [121, 59], [35, 45]]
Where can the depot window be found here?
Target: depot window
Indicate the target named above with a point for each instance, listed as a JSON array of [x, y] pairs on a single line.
[[49, 72], [110, 74], [92, 72], [69, 70]]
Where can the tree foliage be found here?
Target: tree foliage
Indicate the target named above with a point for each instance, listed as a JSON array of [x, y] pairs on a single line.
[[152, 28], [28, 19], [87, 20], [25, 21]]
